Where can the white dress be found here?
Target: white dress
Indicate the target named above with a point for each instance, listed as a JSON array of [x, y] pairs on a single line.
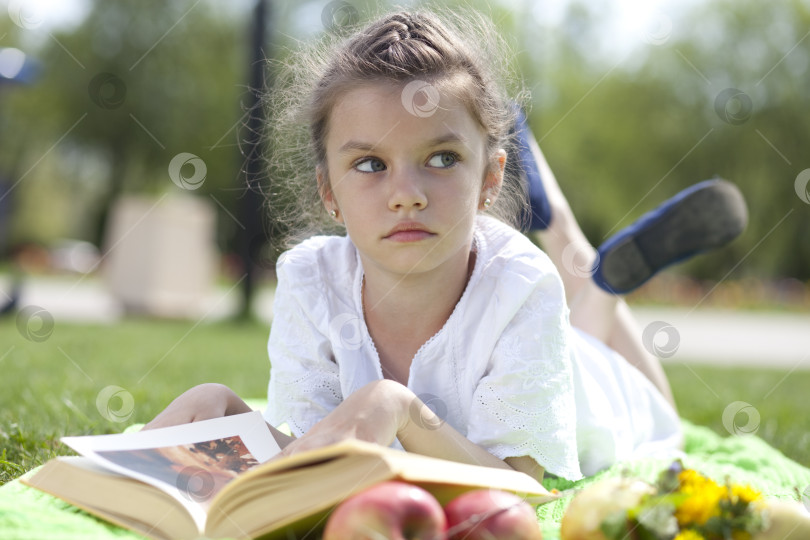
[[507, 370]]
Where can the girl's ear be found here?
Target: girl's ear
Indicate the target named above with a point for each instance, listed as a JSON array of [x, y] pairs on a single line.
[[325, 191], [494, 177]]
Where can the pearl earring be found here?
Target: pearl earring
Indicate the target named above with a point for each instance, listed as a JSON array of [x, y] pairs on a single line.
[[333, 213], [487, 203]]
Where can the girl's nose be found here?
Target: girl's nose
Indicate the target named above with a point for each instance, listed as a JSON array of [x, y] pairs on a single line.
[[406, 191]]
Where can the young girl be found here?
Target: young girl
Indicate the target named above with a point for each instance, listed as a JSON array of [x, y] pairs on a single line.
[[430, 324]]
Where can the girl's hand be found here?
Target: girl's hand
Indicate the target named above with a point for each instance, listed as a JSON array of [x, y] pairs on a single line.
[[384, 410], [375, 413], [202, 402]]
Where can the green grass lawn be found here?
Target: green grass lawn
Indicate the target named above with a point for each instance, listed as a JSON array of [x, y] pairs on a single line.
[[51, 388], [769, 403], [88, 379]]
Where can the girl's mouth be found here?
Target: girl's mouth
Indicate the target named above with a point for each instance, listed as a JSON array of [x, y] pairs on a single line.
[[408, 232]]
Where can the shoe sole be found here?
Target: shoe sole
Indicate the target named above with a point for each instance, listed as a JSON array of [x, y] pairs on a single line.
[[707, 219]]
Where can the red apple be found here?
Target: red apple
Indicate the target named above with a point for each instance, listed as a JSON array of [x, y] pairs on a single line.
[[491, 514], [393, 510]]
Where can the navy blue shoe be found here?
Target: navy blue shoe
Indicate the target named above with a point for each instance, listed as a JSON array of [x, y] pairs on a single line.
[[527, 170], [703, 217]]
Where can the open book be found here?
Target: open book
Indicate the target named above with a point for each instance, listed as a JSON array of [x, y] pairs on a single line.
[[216, 479]]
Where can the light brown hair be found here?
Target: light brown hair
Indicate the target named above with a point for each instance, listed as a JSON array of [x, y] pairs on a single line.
[[460, 54]]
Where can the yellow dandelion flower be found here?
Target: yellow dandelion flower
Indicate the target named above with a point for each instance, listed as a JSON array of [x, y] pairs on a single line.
[[689, 534], [702, 503], [693, 482], [745, 493]]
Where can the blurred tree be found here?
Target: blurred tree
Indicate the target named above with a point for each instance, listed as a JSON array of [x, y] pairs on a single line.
[[137, 83], [720, 91], [722, 95], [756, 59]]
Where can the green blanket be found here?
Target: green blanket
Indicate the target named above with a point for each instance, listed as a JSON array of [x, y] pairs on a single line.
[[28, 514]]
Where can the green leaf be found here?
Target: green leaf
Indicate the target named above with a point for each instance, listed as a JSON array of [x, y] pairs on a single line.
[[660, 520], [614, 526], [668, 478]]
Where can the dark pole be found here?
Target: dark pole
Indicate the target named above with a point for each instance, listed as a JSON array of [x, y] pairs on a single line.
[[253, 236], [26, 73]]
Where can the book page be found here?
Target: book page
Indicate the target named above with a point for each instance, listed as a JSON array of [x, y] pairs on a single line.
[[190, 462], [114, 497]]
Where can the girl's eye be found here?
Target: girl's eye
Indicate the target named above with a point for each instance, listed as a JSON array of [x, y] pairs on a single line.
[[370, 165], [443, 159]]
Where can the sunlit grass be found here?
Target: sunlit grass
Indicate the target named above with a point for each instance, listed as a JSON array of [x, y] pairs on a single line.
[[51, 388], [769, 403]]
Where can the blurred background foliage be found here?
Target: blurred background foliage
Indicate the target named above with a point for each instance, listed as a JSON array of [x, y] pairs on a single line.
[[717, 87]]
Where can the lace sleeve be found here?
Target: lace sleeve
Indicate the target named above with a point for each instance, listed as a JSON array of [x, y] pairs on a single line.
[[524, 405], [304, 384]]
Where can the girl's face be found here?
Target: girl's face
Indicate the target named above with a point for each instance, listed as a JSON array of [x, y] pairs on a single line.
[[407, 182]]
